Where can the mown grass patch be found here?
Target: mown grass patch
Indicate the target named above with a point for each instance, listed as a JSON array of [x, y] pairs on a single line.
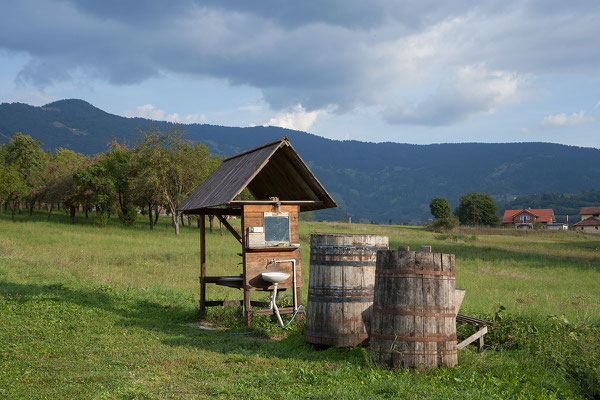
[[89, 312]]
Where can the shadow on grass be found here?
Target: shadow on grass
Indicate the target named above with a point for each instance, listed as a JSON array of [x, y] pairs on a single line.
[[171, 320]]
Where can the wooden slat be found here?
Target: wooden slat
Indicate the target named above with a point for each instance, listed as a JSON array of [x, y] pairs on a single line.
[[214, 211], [282, 310], [477, 335], [215, 303]]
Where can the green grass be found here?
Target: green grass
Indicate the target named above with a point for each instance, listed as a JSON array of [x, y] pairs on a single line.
[[89, 312]]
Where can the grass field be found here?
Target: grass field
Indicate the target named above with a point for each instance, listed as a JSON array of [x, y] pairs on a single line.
[[89, 312]]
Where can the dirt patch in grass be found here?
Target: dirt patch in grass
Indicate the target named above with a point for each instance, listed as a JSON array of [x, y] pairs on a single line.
[[205, 325], [508, 274]]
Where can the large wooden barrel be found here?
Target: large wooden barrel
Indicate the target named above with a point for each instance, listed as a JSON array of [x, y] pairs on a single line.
[[414, 315], [340, 289]]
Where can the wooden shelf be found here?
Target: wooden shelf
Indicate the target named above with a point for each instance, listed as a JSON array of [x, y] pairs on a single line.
[[274, 248]]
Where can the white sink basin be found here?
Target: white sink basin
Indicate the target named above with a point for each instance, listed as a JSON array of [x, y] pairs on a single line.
[[275, 277]]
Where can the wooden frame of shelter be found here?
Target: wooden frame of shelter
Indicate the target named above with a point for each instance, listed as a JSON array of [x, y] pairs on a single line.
[[281, 184]]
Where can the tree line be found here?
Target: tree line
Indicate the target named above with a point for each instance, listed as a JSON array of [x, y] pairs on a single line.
[[159, 171]]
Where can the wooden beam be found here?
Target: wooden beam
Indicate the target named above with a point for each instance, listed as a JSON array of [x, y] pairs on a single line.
[[247, 303], [214, 303], [315, 202], [214, 211], [230, 229], [215, 279], [282, 310], [477, 335], [202, 264]]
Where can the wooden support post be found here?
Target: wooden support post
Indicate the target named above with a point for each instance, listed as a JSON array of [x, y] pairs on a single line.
[[481, 343], [231, 229], [247, 304], [202, 264]]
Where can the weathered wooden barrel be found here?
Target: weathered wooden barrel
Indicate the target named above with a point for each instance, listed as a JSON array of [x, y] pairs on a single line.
[[414, 315], [340, 288]]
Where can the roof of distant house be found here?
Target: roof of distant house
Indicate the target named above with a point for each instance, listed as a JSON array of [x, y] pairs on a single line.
[[589, 210], [590, 221], [542, 214]]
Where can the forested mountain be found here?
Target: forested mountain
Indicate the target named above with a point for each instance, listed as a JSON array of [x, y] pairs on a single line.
[[370, 181], [563, 204]]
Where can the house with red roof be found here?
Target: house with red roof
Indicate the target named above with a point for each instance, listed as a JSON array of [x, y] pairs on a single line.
[[524, 219], [590, 220]]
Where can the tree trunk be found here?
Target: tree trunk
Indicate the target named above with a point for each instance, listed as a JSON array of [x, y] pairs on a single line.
[[181, 217], [221, 227], [14, 207], [156, 214], [150, 215], [175, 222], [50, 210], [86, 211], [72, 210], [20, 205], [31, 205], [210, 222]]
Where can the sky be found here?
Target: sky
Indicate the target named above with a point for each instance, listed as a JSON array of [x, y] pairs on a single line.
[[410, 72]]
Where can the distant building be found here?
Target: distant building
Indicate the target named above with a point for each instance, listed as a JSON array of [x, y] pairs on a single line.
[[588, 225], [590, 220], [587, 212], [524, 219]]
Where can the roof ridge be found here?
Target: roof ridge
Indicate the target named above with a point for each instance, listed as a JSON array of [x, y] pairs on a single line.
[[262, 146]]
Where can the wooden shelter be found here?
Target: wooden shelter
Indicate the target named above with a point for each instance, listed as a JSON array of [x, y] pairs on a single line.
[[282, 186]]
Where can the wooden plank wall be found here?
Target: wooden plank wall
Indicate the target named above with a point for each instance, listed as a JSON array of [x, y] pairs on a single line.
[[257, 260]]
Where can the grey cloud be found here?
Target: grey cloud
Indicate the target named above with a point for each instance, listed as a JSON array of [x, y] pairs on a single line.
[[336, 54]]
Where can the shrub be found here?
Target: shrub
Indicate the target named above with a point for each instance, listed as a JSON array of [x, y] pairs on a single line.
[[444, 224], [128, 215]]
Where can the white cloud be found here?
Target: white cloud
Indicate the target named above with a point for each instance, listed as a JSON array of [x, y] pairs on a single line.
[[152, 112], [297, 118], [472, 90], [560, 120]]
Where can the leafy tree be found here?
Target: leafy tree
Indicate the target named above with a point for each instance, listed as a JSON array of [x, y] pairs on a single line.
[[440, 208], [174, 165], [28, 158], [477, 208], [94, 184], [12, 186], [118, 163], [60, 181], [145, 191]]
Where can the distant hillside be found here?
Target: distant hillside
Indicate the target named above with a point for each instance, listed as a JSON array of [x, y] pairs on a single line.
[[373, 181], [562, 204]]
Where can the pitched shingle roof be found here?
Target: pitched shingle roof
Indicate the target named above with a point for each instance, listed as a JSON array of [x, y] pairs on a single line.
[[590, 221], [271, 170], [589, 210]]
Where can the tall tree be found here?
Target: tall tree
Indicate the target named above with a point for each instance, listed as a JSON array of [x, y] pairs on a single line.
[[440, 208], [12, 186], [27, 156], [60, 181], [145, 191], [118, 162], [477, 209], [175, 165], [94, 184]]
